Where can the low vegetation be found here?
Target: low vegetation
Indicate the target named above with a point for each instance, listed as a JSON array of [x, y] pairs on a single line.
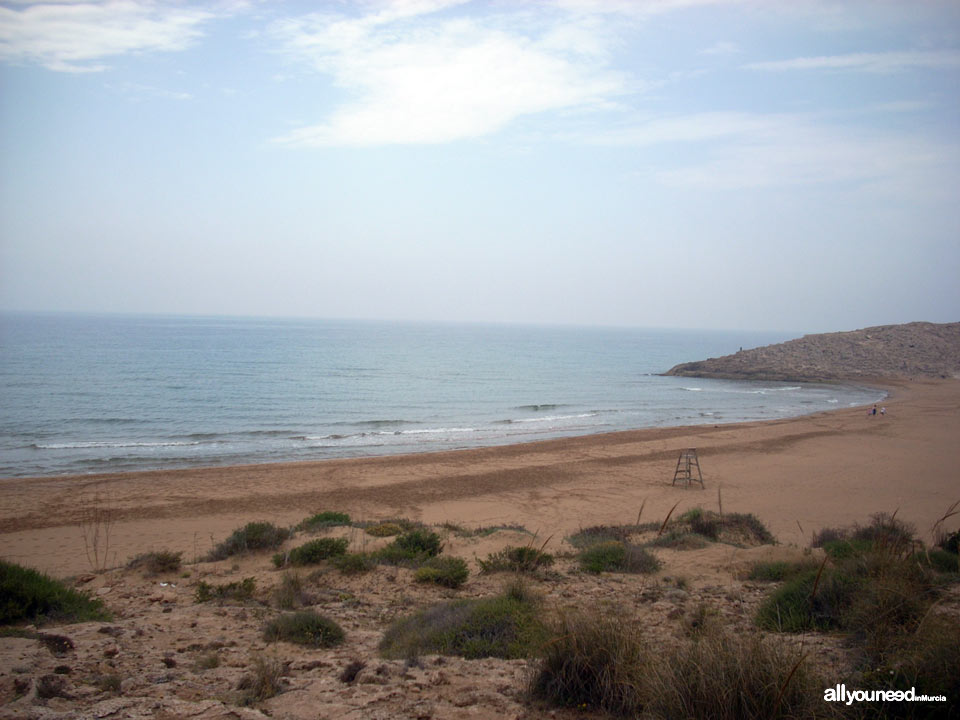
[[251, 537], [523, 559], [313, 552], [616, 556], [449, 572], [157, 562], [323, 520], [411, 548], [304, 628], [504, 626], [30, 596], [603, 660], [240, 590], [352, 563]]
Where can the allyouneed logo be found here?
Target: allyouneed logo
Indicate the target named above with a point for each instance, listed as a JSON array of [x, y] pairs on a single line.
[[841, 694]]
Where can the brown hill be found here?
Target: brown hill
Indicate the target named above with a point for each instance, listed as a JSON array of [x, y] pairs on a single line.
[[913, 350]]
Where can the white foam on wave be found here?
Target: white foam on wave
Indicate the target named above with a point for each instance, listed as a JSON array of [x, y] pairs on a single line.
[[106, 444]]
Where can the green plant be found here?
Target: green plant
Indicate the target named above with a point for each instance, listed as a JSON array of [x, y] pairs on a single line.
[[384, 529], [325, 519], [240, 590], [596, 660], [585, 537], [678, 540], [354, 563], [290, 593], [524, 558], [157, 562], [504, 626], [618, 557], [251, 537], [450, 572], [778, 571], [28, 595], [939, 560], [313, 552], [262, 682], [731, 676], [304, 628], [413, 547]]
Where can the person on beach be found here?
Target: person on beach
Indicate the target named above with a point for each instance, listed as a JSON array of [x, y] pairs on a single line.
[[883, 410], [874, 412]]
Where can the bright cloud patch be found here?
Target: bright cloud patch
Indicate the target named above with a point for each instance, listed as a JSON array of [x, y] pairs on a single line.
[[866, 62], [432, 79], [74, 37]]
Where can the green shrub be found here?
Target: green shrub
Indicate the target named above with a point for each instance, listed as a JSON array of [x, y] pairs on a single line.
[[354, 563], [290, 593], [939, 560], [505, 626], [384, 529], [795, 607], [595, 534], [30, 596], [779, 571], [524, 558], [304, 628], [618, 557], [450, 572], [262, 682], [321, 520], [727, 676], [419, 542], [950, 542], [251, 537], [313, 552], [703, 524], [843, 549], [595, 660], [241, 590], [679, 540], [157, 562]]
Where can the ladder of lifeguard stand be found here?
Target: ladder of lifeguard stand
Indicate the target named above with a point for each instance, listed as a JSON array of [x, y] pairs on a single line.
[[686, 464]]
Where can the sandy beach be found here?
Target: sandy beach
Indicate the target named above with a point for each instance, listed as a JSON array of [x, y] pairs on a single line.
[[168, 653], [797, 475]]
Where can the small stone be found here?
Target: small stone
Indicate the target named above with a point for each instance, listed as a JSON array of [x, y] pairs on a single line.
[[111, 651]]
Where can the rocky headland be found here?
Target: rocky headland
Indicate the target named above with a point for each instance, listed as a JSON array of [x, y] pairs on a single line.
[[911, 351]]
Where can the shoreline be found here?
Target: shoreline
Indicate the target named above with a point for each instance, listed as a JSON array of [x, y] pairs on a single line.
[[796, 474]]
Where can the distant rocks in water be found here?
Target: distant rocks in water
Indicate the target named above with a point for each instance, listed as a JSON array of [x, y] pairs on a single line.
[[913, 350]]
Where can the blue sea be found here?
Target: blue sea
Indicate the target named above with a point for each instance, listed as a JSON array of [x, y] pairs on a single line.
[[85, 393]]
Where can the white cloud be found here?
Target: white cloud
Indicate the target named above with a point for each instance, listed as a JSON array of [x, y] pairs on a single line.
[[882, 62], [77, 36], [421, 76], [722, 47]]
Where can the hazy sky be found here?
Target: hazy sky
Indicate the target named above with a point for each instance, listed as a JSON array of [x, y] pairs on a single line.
[[666, 163]]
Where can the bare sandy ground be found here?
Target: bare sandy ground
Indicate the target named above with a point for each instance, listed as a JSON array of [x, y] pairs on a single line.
[[797, 475]]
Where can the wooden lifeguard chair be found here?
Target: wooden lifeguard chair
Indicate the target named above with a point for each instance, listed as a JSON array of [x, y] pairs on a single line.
[[687, 463]]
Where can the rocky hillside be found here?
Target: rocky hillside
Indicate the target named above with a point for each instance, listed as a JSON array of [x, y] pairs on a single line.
[[914, 350]]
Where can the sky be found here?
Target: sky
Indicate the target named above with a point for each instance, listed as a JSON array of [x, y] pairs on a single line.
[[715, 164]]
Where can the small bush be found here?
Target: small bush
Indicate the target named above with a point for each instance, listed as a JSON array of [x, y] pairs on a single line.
[[679, 540], [748, 525], [322, 520], [705, 525], [251, 537], [950, 542], [795, 607], [28, 595], [618, 557], [419, 542], [354, 563], [724, 676], [596, 660], [516, 559], [262, 682], [384, 529], [241, 590], [157, 562], [504, 626], [596, 534], [779, 571], [827, 535], [939, 560], [291, 594], [843, 549], [313, 552], [449, 572], [885, 531], [304, 628]]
